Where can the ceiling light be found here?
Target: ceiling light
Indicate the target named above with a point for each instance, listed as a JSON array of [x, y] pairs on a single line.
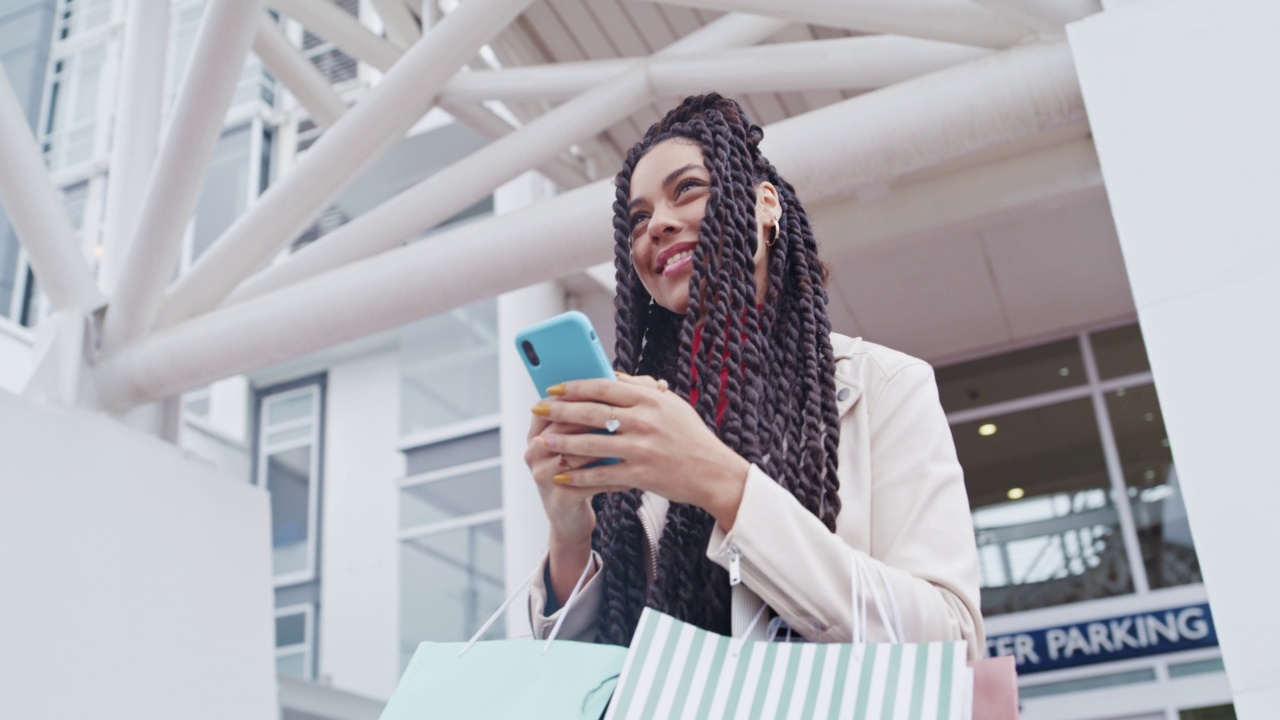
[[1064, 371], [1016, 493], [987, 430]]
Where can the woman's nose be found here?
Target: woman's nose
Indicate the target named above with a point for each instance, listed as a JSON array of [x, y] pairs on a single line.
[[663, 222]]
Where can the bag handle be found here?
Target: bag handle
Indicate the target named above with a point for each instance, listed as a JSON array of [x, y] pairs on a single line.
[[887, 607], [555, 629]]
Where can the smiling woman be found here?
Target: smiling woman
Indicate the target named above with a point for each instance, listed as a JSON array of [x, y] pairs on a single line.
[[760, 452]]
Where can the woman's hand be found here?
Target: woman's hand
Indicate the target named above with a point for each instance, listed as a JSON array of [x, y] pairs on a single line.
[[664, 446], [568, 508]]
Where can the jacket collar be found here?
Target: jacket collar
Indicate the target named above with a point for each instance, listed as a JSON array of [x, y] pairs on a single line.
[[848, 387]]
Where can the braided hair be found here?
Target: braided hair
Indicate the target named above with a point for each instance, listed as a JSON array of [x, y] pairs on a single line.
[[778, 399]]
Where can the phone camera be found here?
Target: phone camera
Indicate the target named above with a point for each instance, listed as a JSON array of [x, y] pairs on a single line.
[[530, 353]]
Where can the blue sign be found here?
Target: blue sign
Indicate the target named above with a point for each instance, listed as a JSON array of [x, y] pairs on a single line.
[[1097, 641]]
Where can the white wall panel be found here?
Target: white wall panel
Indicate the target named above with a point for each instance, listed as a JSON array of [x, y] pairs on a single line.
[[137, 581], [1181, 98]]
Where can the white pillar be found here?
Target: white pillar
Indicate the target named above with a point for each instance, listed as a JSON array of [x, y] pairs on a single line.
[[525, 526], [1192, 182], [359, 619]]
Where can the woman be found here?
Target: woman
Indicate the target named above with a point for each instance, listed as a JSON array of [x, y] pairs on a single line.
[[759, 451]]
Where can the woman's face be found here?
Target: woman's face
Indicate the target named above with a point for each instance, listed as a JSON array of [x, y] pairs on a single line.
[[669, 188]]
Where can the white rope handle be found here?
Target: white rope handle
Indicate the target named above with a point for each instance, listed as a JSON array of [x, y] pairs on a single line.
[[741, 640], [564, 610], [493, 618], [886, 607]]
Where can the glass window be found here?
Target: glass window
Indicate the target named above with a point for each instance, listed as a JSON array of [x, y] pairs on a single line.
[[449, 368], [1047, 530], [1152, 480], [288, 479], [293, 640], [9, 267], [289, 422], [71, 117], [1012, 375], [450, 583], [1217, 712], [224, 196], [452, 496], [1119, 352]]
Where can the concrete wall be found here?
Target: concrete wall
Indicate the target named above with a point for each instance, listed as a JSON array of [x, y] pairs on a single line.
[[137, 582], [359, 618], [1182, 101]]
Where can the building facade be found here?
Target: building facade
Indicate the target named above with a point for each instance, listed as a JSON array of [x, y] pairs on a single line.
[[401, 511]]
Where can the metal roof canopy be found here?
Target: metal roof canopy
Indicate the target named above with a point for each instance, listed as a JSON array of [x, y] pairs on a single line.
[[858, 98]]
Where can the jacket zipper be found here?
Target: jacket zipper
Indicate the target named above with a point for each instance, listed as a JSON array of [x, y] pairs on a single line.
[[650, 533], [736, 562], [735, 565]]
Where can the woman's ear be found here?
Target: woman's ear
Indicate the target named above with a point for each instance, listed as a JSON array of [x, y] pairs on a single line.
[[768, 205]]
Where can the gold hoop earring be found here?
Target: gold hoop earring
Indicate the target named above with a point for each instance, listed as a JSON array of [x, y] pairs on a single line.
[[773, 235]]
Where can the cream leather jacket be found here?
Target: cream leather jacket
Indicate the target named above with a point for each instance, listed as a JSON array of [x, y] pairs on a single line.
[[904, 507]]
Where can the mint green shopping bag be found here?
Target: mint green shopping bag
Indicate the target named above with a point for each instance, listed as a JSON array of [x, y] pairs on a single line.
[[507, 679], [527, 679]]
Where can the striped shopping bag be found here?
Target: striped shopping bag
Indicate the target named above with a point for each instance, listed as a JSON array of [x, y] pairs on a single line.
[[677, 670]]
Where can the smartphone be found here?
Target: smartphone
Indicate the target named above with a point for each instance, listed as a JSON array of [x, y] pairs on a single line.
[[564, 348]]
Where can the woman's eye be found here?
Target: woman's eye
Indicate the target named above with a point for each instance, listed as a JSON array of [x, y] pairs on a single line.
[[686, 185], [637, 219]]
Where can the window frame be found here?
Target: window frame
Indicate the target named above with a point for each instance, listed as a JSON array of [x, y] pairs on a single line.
[[261, 450], [1096, 390], [308, 612]]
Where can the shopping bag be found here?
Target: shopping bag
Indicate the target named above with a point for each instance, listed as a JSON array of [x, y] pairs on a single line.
[[674, 669], [677, 670], [995, 688], [528, 679], [507, 679]]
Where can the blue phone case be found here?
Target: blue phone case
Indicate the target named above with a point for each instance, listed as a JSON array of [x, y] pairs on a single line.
[[567, 348]]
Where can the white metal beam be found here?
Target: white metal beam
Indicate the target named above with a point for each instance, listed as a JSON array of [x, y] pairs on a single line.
[[449, 191], [136, 140], [833, 151], [36, 212], [860, 63], [222, 43], [480, 119], [333, 24], [402, 27], [298, 74], [933, 119], [452, 189], [1049, 17], [365, 132], [958, 21]]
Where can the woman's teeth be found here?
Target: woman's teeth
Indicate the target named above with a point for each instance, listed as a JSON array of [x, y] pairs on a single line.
[[674, 259]]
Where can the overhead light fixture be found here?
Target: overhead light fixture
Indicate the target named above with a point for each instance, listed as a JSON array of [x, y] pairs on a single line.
[[1016, 493], [987, 429], [1064, 371]]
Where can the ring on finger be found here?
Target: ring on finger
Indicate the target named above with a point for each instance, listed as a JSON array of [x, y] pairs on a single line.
[[662, 385], [613, 424]]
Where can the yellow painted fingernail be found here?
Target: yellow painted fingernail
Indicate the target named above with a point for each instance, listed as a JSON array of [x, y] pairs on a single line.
[[562, 479], [542, 409], [619, 373], [556, 390]]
